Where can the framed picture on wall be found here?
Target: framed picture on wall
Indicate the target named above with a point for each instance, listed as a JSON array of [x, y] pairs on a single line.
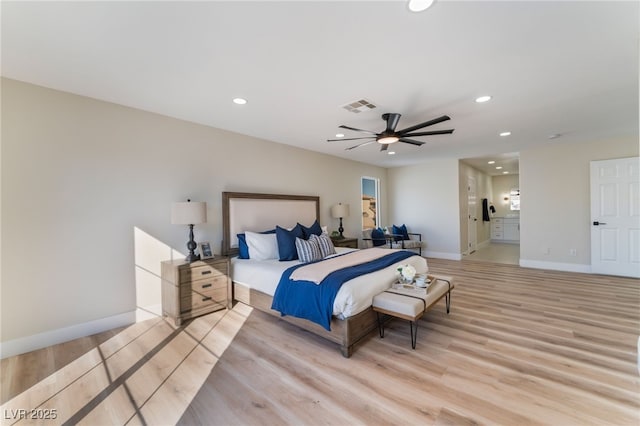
[[205, 250]]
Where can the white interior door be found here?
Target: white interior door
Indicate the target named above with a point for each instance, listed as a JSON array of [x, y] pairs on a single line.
[[615, 217], [472, 214]]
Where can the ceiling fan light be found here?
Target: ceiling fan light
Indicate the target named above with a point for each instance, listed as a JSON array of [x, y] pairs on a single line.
[[388, 140], [420, 5]]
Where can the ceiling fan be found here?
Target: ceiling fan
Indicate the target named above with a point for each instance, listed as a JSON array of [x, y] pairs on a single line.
[[390, 135]]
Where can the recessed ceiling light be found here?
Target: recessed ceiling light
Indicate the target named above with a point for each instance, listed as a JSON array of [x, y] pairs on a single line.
[[419, 5], [555, 136], [499, 167], [339, 135], [505, 134], [491, 162], [391, 153], [482, 99], [239, 101], [505, 173]]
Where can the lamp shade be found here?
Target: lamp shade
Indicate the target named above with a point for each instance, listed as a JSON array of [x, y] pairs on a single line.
[[189, 213], [340, 210]]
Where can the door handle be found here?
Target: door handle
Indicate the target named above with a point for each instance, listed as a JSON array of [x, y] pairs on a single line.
[[596, 223]]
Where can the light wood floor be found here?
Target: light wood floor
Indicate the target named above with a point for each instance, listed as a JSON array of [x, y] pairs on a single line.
[[520, 346]]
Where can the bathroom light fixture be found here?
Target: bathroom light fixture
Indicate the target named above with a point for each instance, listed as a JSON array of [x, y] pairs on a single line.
[[420, 5], [482, 99], [239, 101]]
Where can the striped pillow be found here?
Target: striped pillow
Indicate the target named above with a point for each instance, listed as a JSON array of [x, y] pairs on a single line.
[[308, 250], [325, 244]]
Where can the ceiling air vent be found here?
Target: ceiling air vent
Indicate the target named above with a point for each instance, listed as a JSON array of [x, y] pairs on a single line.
[[359, 106]]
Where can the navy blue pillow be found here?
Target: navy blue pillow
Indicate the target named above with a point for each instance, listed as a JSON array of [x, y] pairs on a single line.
[[314, 229], [401, 230], [287, 242], [243, 248], [377, 237]]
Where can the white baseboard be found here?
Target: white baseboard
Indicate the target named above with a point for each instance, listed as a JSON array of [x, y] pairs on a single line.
[[53, 337], [555, 266], [442, 255]]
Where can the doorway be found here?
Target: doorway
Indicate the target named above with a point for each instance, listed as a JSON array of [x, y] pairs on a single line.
[[490, 195]]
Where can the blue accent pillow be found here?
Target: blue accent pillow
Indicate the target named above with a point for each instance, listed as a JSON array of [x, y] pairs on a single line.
[[243, 248], [314, 229], [287, 242], [377, 237], [401, 230]]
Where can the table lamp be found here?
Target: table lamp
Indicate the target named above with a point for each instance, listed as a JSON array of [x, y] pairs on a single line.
[[189, 214], [339, 211]]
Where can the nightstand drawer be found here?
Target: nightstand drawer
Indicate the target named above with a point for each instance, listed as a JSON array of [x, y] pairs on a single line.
[[207, 284], [202, 272], [201, 299]]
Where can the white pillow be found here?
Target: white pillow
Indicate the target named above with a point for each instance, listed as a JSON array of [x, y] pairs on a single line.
[[262, 246]]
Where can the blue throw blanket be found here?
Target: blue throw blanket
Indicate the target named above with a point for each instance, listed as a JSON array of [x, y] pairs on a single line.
[[305, 299]]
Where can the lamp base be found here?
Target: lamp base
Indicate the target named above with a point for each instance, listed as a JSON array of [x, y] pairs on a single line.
[[191, 245]]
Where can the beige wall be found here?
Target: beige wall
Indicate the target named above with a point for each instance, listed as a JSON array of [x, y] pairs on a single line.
[[426, 198], [555, 201], [86, 193]]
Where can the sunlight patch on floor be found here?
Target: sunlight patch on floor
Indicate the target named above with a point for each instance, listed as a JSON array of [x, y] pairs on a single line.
[[148, 373]]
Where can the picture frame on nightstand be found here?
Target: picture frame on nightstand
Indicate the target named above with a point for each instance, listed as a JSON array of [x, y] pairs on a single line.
[[205, 250]]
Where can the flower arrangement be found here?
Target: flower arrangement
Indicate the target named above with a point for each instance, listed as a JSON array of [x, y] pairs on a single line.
[[406, 273]]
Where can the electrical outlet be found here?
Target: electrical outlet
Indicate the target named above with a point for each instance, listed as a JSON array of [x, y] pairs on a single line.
[[573, 252]]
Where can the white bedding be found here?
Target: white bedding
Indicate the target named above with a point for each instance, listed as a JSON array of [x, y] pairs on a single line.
[[354, 296]]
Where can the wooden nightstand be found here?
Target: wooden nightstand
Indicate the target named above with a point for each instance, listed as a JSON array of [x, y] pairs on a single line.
[[345, 242], [193, 289]]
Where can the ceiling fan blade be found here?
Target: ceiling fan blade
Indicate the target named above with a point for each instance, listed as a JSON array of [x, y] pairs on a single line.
[[392, 120], [358, 130], [360, 144], [411, 141], [384, 147], [433, 132], [425, 124], [348, 139]]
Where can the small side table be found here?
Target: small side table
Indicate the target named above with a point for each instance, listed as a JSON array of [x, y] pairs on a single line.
[[345, 242], [193, 289]]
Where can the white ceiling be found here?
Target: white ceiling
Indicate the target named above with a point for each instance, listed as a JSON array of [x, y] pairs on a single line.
[[552, 67]]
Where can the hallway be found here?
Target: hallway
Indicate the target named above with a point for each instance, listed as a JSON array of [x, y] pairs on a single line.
[[497, 253]]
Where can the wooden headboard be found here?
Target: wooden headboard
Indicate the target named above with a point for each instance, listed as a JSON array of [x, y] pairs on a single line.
[[245, 211]]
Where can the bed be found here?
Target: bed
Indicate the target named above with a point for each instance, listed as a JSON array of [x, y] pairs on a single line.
[[255, 281]]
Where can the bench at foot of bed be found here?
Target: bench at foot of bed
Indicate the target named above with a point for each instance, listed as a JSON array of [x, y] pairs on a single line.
[[411, 305]]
